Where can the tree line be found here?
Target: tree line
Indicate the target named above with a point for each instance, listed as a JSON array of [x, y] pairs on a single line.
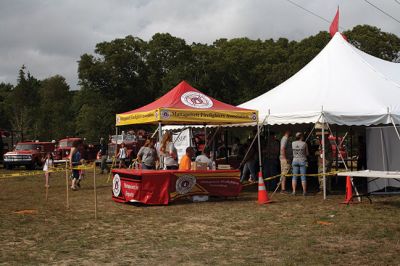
[[127, 73]]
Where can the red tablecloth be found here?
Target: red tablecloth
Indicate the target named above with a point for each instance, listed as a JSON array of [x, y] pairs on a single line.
[[164, 186]]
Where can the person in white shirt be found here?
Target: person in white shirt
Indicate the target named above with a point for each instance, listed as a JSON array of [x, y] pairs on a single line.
[[168, 152], [47, 165], [122, 156], [204, 157]]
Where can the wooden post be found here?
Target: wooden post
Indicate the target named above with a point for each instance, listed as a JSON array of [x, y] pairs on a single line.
[[47, 193], [66, 182], [95, 192]]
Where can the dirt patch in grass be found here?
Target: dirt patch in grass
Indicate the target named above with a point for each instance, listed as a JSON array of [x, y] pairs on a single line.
[[235, 231]]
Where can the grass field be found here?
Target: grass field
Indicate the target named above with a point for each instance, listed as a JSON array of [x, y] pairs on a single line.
[[292, 231]]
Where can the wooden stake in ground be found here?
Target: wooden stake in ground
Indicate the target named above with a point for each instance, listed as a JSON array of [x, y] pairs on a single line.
[[47, 192], [113, 163], [95, 192], [66, 181]]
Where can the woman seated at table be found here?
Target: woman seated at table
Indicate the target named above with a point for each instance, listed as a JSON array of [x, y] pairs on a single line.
[[147, 155], [168, 152], [186, 161], [204, 157]]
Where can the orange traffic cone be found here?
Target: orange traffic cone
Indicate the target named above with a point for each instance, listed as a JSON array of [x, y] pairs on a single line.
[[262, 191], [349, 191]]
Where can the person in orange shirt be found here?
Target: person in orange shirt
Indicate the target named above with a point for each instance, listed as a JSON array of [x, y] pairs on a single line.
[[186, 161]]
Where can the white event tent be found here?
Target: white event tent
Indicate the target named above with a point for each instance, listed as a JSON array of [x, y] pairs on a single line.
[[341, 85]]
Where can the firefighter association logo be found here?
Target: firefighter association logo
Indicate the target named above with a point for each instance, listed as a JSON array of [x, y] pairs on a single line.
[[116, 185], [254, 117], [196, 100], [165, 114], [185, 183]]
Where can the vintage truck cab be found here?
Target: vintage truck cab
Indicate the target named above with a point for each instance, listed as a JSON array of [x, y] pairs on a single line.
[[28, 154], [63, 149]]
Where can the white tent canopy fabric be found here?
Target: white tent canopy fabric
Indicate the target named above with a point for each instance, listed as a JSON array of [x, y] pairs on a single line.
[[341, 85]]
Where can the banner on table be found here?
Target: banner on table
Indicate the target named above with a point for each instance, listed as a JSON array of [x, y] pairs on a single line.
[[162, 187]]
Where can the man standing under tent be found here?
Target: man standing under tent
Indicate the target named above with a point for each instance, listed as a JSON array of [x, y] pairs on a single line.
[[103, 156], [250, 163], [283, 157]]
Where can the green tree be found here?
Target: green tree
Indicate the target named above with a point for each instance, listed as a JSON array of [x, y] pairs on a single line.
[[5, 90], [55, 109], [128, 73], [114, 81], [168, 60], [23, 102], [375, 42]]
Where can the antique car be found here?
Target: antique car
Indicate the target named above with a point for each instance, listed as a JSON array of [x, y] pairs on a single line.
[[29, 154]]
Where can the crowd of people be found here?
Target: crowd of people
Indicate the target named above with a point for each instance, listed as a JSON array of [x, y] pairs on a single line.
[[300, 157], [285, 156]]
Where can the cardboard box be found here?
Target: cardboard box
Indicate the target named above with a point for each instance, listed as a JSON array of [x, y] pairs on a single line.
[[199, 166], [224, 167]]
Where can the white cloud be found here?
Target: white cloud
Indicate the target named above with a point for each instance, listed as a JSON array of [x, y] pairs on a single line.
[[49, 36]]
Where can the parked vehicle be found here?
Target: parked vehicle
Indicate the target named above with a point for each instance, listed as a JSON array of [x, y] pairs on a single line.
[[63, 149], [7, 140], [29, 154], [132, 144], [115, 144]]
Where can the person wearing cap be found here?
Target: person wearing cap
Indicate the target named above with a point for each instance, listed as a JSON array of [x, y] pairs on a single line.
[[299, 163]]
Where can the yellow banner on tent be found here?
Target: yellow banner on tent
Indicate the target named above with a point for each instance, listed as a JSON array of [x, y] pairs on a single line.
[[182, 116]]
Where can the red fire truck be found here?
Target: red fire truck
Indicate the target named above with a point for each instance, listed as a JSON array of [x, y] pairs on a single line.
[[132, 145], [63, 149]]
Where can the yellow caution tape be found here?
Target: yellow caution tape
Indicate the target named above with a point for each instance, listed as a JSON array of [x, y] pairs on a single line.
[[40, 172], [279, 175]]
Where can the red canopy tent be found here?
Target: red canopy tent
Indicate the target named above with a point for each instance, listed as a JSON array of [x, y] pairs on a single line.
[[182, 105], [187, 105]]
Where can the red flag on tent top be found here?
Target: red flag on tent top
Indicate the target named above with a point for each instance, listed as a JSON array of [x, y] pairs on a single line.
[[335, 24]]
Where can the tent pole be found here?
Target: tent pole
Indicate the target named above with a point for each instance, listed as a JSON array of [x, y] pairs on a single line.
[[226, 146], [159, 141], [205, 136], [351, 148], [254, 139], [259, 148], [395, 128], [383, 157], [383, 152], [323, 158], [345, 164], [337, 149], [338, 155]]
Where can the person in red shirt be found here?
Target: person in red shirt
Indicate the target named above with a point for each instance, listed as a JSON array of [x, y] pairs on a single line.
[[186, 161]]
